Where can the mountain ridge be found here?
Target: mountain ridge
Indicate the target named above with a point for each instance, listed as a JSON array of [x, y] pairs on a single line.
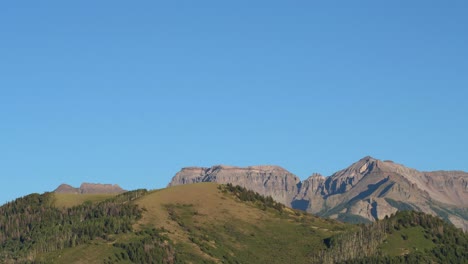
[[367, 190], [89, 188]]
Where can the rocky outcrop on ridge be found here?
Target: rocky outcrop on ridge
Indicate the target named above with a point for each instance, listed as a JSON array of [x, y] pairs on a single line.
[[274, 181], [90, 188], [367, 190]]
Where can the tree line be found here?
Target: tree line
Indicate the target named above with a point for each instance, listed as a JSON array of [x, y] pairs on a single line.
[[263, 202]]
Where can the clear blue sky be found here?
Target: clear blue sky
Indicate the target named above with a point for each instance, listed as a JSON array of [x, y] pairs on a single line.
[[129, 92]]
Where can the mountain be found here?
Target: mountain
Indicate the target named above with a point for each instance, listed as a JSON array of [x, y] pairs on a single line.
[[90, 188], [367, 190], [266, 180], [211, 223]]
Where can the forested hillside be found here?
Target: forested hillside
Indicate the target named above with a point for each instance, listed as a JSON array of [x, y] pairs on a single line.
[[407, 237], [209, 223], [32, 225]]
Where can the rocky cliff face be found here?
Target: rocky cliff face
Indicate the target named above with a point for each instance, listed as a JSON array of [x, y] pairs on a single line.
[[266, 180], [310, 197], [90, 188], [367, 190], [372, 189]]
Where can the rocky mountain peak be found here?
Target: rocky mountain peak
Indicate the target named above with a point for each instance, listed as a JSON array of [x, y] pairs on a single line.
[[65, 188], [364, 165], [345, 179]]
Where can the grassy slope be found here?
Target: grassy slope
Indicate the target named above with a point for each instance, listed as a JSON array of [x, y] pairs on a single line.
[[216, 226], [207, 225]]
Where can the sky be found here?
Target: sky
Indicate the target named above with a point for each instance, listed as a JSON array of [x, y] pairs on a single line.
[[129, 92]]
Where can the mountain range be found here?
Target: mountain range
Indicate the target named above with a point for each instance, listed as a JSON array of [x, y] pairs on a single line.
[[210, 223], [368, 190], [207, 222]]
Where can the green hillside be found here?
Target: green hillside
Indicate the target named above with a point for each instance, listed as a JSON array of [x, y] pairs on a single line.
[[210, 223]]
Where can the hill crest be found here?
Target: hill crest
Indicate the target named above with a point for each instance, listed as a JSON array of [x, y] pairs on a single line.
[[89, 188]]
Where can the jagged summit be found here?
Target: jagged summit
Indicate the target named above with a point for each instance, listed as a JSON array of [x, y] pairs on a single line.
[[368, 158], [359, 168], [89, 188]]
